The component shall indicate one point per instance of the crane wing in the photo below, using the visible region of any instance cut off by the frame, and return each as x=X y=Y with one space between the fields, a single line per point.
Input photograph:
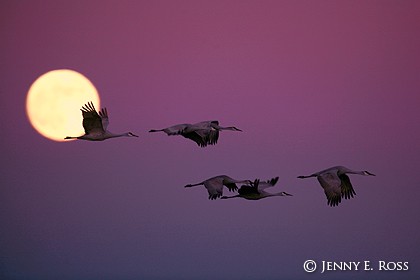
x=201 y=136
x=267 y=184
x=104 y=116
x=331 y=184
x=347 y=190
x=92 y=122
x=248 y=190
x=205 y=124
x=196 y=137
x=209 y=136
x=231 y=187
x=176 y=129
x=214 y=188
x=212 y=137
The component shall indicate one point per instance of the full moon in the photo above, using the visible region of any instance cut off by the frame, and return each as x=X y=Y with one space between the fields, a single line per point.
x=54 y=101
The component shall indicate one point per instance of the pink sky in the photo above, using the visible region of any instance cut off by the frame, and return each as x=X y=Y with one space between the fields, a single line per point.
x=312 y=84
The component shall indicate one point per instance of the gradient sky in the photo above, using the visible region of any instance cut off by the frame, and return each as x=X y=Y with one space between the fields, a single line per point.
x=312 y=84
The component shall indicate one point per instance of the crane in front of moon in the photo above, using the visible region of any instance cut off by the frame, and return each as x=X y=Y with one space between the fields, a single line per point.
x=203 y=133
x=95 y=125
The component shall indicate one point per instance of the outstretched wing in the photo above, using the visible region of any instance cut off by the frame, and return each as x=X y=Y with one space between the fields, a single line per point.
x=209 y=136
x=196 y=137
x=347 y=190
x=205 y=124
x=331 y=184
x=104 y=116
x=247 y=190
x=231 y=187
x=202 y=134
x=212 y=137
x=214 y=188
x=92 y=122
x=176 y=129
x=267 y=184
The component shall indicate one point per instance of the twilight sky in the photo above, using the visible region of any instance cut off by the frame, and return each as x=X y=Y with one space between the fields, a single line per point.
x=312 y=84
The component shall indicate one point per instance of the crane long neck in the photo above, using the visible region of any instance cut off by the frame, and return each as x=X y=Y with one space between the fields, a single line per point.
x=218 y=127
x=356 y=172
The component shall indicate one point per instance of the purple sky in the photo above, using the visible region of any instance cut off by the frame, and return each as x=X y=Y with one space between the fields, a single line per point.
x=311 y=83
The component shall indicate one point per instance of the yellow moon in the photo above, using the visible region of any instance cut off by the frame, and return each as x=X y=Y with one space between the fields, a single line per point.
x=54 y=101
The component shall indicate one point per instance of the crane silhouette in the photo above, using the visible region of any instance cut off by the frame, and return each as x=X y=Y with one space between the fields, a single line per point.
x=95 y=125
x=256 y=190
x=203 y=133
x=336 y=183
x=215 y=185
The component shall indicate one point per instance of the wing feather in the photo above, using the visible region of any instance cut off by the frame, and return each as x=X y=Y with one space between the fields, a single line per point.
x=196 y=138
x=92 y=122
x=214 y=188
x=267 y=184
x=104 y=117
x=347 y=190
x=231 y=187
x=248 y=190
x=176 y=129
x=212 y=137
x=201 y=136
x=205 y=124
x=331 y=184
